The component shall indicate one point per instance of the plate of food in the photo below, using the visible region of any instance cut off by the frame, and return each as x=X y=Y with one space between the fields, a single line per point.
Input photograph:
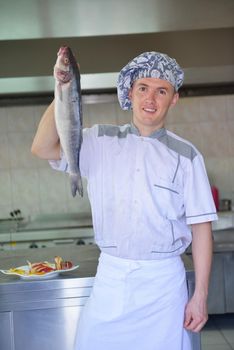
x=42 y=269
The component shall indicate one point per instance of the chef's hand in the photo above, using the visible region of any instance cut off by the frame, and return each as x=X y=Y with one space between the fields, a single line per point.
x=196 y=314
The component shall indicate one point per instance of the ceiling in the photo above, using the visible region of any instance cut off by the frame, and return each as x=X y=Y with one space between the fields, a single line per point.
x=105 y=34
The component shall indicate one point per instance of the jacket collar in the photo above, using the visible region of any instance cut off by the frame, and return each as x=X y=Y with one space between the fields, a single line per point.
x=154 y=135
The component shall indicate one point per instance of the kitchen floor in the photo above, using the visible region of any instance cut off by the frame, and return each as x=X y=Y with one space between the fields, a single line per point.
x=218 y=334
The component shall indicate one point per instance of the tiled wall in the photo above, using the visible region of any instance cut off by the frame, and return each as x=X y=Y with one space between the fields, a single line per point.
x=208 y=122
x=29 y=183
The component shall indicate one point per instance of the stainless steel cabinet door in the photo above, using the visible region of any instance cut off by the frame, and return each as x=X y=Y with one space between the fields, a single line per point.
x=216 y=297
x=47 y=329
x=229 y=281
x=6 y=331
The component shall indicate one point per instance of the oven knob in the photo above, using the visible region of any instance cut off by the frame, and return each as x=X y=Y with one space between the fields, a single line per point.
x=33 y=245
x=80 y=242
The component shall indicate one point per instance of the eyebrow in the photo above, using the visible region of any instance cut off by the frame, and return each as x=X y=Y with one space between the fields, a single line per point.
x=157 y=88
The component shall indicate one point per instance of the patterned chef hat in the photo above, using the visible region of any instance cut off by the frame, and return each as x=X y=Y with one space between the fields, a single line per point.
x=148 y=65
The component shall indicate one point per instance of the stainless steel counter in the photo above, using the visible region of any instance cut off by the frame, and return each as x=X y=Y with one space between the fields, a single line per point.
x=86 y=257
x=224 y=239
x=43 y=314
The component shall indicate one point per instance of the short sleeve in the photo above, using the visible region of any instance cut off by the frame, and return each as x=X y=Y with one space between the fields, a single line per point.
x=198 y=199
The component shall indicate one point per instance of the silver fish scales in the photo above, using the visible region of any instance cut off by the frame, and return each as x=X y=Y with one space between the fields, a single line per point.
x=68 y=113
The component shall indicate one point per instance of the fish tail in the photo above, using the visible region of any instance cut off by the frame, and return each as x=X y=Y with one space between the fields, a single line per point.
x=76 y=184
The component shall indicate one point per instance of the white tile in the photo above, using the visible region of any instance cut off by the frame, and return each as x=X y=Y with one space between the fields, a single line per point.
x=3 y=120
x=231 y=177
x=21 y=118
x=225 y=324
x=5 y=210
x=77 y=204
x=186 y=110
x=216 y=347
x=230 y=137
x=27 y=209
x=103 y=113
x=230 y=107
x=39 y=110
x=226 y=327
x=213 y=337
x=213 y=108
x=25 y=190
x=5 y=188
x=218 y=173
x=228 y=334
x=86 y=116
x=190 y=132
x=4 y=152
x=123 y=117
x=42 y=163
x=52 y=193
x=173 y=115
x=170 y=118
x=20 y=150
x=214 y=139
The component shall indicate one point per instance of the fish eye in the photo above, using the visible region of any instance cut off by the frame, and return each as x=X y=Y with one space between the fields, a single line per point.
x=66 y=60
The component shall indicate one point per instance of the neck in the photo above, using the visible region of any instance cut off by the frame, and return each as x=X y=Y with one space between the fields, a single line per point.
x=145 y=130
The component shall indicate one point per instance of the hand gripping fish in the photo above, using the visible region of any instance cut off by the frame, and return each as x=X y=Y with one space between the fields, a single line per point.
x=68 y=113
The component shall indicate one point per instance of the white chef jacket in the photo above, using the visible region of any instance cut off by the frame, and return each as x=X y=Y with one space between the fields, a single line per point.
x=144 y=191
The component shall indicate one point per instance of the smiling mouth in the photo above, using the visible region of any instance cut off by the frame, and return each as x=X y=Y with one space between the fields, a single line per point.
x=149 y=110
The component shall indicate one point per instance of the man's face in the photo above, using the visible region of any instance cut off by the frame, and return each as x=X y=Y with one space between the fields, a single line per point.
x=151 y=99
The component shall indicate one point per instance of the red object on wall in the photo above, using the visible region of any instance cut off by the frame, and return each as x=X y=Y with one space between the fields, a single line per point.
x=215 y=193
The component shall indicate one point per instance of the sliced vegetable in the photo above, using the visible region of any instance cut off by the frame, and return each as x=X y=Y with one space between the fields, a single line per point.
x=43 y=267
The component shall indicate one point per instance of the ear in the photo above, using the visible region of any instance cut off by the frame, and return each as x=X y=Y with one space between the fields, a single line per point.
x=130 y=94
x=174 y=99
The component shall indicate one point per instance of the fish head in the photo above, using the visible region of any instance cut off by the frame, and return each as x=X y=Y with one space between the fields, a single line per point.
x=64 y=56
x=63 y=65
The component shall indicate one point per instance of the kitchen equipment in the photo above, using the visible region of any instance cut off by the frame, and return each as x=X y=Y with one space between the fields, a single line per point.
x=225 y=205
x=47 y=231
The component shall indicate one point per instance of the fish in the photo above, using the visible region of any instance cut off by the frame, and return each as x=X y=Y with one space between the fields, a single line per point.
x=68 y=114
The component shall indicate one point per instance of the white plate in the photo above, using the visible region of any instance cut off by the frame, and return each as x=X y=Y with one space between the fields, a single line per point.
x=37 y=277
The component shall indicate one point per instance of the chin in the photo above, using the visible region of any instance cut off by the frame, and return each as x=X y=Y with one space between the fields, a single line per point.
x=148 y=120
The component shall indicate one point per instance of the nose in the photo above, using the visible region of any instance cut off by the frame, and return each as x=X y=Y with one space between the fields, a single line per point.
x=150 y=96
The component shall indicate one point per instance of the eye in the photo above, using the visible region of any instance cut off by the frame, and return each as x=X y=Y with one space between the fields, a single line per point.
x=162 y=92
x=66 y=60
x=142 y=88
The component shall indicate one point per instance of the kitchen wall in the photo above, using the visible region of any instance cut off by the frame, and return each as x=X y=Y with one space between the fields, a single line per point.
x=29 y=183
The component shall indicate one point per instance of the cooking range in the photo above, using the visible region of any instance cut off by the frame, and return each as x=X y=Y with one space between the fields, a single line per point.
x=47 y=230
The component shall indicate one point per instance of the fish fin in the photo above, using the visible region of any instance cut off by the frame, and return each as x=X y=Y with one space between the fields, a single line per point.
x=76 y=184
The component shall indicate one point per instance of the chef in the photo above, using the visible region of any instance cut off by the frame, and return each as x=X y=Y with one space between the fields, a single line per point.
x=150 y=198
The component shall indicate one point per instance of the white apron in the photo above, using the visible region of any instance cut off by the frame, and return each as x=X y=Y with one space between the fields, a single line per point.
x=136 y=305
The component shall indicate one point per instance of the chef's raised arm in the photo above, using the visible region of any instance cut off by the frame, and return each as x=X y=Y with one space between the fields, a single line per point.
x=46 y=143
